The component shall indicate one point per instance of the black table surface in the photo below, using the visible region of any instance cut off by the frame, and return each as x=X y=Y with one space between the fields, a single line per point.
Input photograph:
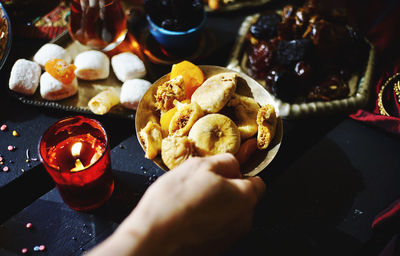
x=331 y=177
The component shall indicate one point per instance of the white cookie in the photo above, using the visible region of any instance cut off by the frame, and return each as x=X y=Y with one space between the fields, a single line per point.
x=24 y=77
x=51 y=51
x=132 y=92
x=52 y=89
x=92 y=65
x=127 y=66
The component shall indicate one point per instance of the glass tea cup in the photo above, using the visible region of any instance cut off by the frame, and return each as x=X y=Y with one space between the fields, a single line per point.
x=99 y=24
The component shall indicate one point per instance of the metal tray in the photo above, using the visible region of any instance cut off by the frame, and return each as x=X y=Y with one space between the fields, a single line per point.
x=86 y=89
x=359 y=83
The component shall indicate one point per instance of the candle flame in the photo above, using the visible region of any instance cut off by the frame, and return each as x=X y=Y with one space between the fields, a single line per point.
x=76 y=149
x=78 y=166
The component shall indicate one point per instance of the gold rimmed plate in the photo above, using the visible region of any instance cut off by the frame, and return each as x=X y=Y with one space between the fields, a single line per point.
x=246 y=86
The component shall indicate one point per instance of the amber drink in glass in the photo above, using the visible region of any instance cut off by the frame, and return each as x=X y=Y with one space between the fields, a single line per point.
x=99 y=24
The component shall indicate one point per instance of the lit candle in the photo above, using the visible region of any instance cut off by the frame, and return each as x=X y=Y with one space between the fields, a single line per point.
x=76 y=154
x=76 y=151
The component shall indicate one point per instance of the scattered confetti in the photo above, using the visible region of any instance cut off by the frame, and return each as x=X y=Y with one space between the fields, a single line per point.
x=1 y=162
x=15 y=133
x=11 y=161
x=6 y=169
x=3 y=127
x=73 y=238
x=42 y=248
x=24 y=250
x=22 y=170
x=357 y=213
x=28 y=225
x=27 y=155
x=11 y=148
x=152 y=178
x=28 y=165
x=36 y=248
x=141 y=168
x=1 y=159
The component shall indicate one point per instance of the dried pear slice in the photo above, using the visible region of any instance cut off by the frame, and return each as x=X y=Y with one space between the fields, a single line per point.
x=184 y=118
x=173 y=89
x=214 y=134
x=266 y=120
x=175 y=150
x=151 y=138
x=245 y=109
x=215 y=92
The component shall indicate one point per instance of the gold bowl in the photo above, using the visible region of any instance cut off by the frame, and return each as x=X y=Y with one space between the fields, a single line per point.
x=246 y=86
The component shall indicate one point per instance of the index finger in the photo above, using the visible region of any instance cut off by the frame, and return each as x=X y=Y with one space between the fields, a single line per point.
x=253 y=187
x=225 y=165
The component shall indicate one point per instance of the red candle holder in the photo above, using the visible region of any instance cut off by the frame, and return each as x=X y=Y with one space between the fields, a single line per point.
x=76 y=153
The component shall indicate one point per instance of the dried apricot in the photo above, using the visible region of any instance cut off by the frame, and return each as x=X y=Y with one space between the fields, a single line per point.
x=246 y=150
x=193 y=77
x=61 y=70
x=166 y=117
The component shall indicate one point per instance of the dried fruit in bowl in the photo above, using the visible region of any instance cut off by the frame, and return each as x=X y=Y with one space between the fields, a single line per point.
x=173 y=89
x=215 y=92
x=245 y=109
x=266 y=120
x=184 y=118
x=175 y=15
x=192 y=75
x=215 y=134
x=175 y=150
x=246 y=150
x=218 y=119
x=151 y=138
x=166 y=117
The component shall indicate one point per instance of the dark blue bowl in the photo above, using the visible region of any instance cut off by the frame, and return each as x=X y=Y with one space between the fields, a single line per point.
x=176 y=41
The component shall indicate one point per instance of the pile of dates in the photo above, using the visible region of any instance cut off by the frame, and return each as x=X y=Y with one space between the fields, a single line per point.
x=306 y=53
x=175 y=15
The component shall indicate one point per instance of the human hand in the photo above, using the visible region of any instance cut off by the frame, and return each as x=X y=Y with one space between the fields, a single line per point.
x=199 y=208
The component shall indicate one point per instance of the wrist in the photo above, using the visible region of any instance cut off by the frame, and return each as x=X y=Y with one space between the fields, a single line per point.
x=147 y=239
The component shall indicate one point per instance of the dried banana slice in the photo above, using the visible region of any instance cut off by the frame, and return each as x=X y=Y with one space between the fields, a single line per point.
x=175 y=150
x=266 y=120
x=184 y=118
x=104 y=101
x=245 y=109
x=215 y=133
x=169 y=91
x=215 y=92
x=151 y=138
